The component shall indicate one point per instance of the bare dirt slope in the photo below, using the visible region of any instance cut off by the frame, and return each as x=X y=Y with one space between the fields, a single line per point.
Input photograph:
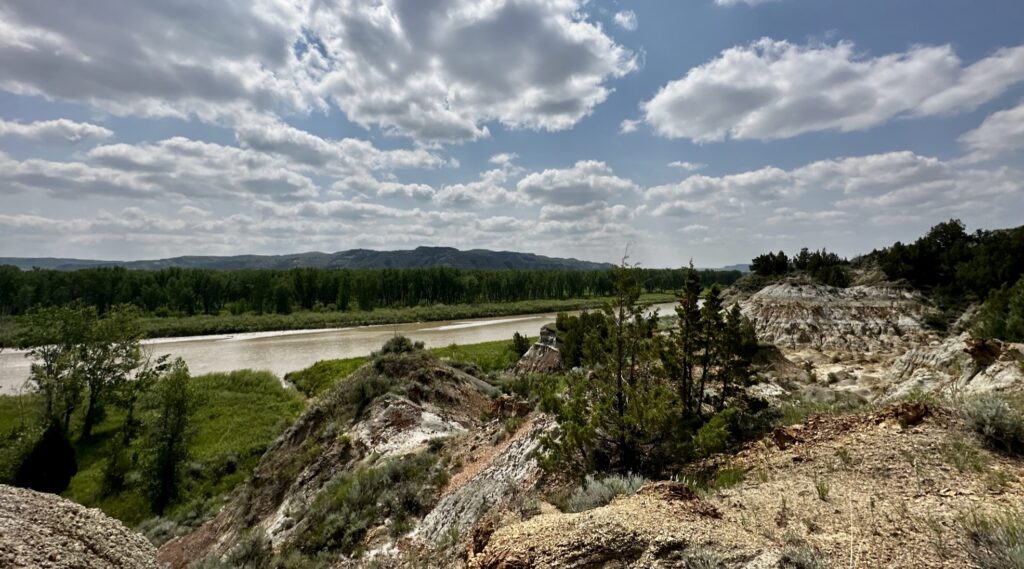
x=882 y=489
x=46 y=531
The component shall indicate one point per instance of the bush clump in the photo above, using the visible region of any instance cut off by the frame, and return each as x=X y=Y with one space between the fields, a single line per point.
x=995 y=540
x=597 y=492
x=357 y=501
x=999 y=420
x=399 y=345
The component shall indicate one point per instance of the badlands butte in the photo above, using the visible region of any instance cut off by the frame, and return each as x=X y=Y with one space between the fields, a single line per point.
x=888 y=434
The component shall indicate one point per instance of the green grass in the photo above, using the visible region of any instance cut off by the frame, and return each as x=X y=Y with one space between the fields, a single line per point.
x=169 y=326
x=485 y=356
x=316 y=378
x=488 y=356
x=238 y=415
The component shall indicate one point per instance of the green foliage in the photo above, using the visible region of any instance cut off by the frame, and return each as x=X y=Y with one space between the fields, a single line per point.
x=995 y=540
x=50 y=464
x=627 y=413
x=485 y=356
x=1002 y=315
x=357 y=501
x=398 y=345
x=191 y=292
x=826 y=268
x=82 y=358
x=520 y=344
x=315 y=379
x=799 y=410
x=999 y=419
x=167 y=440
x=735 y=425
x=957 y=268
x=596 y=492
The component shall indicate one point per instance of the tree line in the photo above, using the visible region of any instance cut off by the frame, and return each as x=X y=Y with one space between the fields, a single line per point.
x=823 y=266
x=188 y=292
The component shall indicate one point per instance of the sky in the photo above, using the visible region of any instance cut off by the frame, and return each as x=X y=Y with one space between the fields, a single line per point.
x=710 y=130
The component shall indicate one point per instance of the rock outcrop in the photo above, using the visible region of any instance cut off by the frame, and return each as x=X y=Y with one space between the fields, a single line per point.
x=543 y=356
x=863 y=319
x=959 y=365
x=44 y=531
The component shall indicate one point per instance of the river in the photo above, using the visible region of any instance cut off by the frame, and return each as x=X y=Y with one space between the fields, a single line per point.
x=282 y=352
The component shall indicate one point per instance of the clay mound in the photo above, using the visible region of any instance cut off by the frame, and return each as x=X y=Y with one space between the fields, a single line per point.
x=47 y=531
x=859 y=318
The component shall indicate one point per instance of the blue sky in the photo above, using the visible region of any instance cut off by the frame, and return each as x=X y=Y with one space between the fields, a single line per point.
x=709 y=130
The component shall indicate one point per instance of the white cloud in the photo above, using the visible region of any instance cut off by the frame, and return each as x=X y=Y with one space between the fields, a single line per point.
x=841 y=189
x=775 y=89
x=1000 y=134
x=172 y=167
x=333 y=156
x=628 y=125
x=369 y=186
x=439 y=72
x=60 y=131
x=503 y=159
x=587 y=181
x=626 y=19
x=488 y=191
x=688 y=166
x=159 y=58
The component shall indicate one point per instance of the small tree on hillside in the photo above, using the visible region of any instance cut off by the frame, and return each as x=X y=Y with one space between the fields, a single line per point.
x=168 y=437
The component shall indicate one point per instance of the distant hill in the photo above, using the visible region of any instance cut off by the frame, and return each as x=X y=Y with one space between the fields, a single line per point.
x=743 y=268
x=352 y=259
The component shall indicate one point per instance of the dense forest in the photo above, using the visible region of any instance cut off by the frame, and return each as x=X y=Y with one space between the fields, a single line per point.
x=957 y=268
x=187 y=292
x=827 y=268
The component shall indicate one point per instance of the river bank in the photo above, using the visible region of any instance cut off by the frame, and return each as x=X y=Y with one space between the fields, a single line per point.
x=284 y=351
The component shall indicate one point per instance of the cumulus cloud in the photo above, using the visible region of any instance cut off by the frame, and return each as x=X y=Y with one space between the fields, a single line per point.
x=439 y=71
x=488 y=191
x=586 y=182
x=60 y=131
x=775 y=89
x=838 y=188
x=1000 y=134
x=688 y=166
x=159 y=58
x=173 y=167
x=626 y=19
x=333 y=156
x=366 y=186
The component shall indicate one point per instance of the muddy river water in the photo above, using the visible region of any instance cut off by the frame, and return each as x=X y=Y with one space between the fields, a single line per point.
x=282 y=352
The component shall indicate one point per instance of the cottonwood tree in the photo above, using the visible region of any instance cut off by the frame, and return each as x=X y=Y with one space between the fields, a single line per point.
x=81 y=358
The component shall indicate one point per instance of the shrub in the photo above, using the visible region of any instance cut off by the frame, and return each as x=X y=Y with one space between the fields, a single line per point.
x=995 y=540
x=399 y=345
x=999 y=420
x=520 y=344
x=51 y=463
x=357 y=501
x=597 y=492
